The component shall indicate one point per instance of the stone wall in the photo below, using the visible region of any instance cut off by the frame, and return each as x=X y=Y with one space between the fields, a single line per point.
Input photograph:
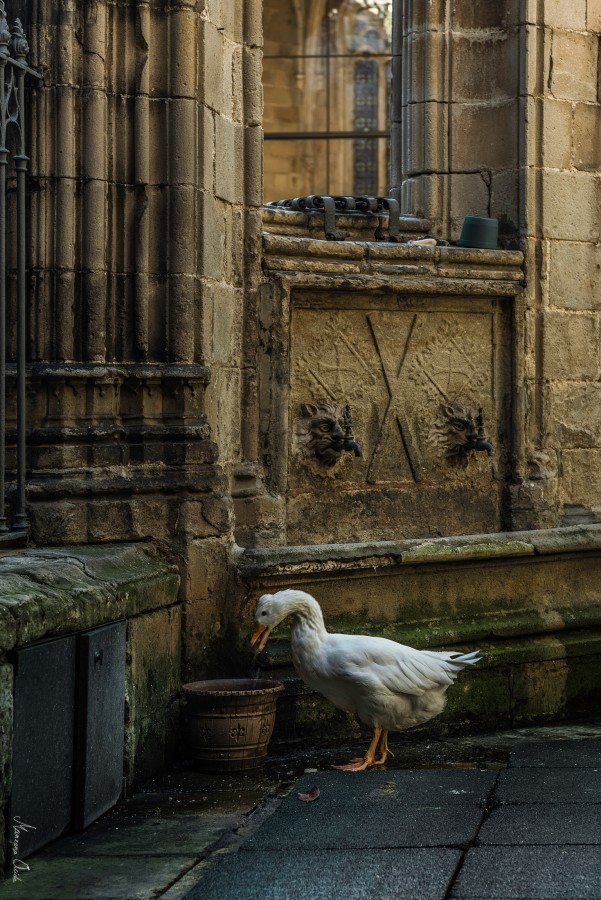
x=520 y=106
x=563 y=231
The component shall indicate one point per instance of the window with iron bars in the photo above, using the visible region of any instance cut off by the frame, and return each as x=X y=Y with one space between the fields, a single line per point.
x=326 y=79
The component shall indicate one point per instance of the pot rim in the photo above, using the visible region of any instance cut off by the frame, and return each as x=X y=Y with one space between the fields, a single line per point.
x=225 y=687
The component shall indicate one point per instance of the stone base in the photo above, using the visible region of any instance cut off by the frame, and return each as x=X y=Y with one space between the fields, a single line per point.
x=52 y=593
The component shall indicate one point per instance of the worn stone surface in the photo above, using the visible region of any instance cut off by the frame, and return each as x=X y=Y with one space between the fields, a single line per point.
x=153 y=734
x=538 y=873
x=419 y=873
x=48 y=592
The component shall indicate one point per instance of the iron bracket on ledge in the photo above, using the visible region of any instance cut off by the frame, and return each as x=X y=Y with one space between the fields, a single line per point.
x=358 y=207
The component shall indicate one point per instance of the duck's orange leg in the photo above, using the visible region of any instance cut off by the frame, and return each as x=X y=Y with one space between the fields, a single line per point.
x=357 y=765
x=384 y=750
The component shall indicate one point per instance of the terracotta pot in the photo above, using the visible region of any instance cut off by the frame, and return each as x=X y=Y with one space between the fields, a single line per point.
x=230 y=722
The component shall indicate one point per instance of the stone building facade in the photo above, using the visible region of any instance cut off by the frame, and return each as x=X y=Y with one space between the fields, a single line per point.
x=182 y=343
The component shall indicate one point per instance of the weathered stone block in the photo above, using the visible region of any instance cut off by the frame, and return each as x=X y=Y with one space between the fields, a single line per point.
x=60 y=522
x=182 y=55
x=253 y=165
x=252 y=84
x=485 y=66
x=182 y=142
x=209 y=603
x=153 y=683
x=573 y=74
x=223 y=410
x=575 y=275
x=212 y=235
x=428 y=16
x=182 y=250
x=470 y=196
x=593 y=15
x=574 y=419
x=483 y=136
x=556 y=144
x=428 y=80
x=229 y=160
x=227 y=324
x=567 y=14
x=571 y=346
x=587 y=128
x=580 y=483
x=211 y=89
x=504 y=205
x=428 y=149
x=482 y=14
x=570 y=206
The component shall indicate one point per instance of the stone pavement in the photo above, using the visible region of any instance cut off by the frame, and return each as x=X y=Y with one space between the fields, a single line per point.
x=530 y=831
x=498 y=826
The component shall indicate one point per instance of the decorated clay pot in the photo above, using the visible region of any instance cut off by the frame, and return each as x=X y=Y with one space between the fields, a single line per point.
x=230 y=722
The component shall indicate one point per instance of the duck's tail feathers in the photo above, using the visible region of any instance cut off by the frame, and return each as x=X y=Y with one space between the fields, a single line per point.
x=466 y=659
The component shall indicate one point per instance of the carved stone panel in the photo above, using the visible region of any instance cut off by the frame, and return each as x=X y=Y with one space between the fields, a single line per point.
x=395 y=361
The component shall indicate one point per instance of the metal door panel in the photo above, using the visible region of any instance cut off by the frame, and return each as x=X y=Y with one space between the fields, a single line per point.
x=43 y=742
x=100 y=722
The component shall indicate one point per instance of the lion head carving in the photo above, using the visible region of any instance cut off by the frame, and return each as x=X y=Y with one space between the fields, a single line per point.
x=319 y=431
x=458 y=430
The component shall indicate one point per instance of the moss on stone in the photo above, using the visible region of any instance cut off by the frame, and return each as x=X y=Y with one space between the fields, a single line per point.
x=441 y=552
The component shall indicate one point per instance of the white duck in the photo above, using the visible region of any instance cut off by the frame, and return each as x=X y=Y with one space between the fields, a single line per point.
x=389 y=686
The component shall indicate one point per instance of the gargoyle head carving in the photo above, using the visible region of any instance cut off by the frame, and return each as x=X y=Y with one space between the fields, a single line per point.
x=459 y=430
x=319 y=431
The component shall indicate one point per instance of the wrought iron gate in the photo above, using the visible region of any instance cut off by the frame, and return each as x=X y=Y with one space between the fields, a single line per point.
x=14 y=69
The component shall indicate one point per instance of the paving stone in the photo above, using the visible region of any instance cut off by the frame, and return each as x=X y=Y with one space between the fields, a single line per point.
x=369 y=824
x=330 y=875
x=411 y=787
x=557 y=755
x=532 y=824
x=549 y=786
x=530 y=873
x=173 y=836
x=95 y=878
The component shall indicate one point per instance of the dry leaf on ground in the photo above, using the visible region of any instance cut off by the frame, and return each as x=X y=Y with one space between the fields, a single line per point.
x=309 y=796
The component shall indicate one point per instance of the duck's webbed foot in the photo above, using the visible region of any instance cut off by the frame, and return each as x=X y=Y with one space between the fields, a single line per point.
x=358 y=765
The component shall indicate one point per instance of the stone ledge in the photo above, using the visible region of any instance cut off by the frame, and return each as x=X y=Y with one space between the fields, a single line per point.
x=52 y=592
x=331 y=557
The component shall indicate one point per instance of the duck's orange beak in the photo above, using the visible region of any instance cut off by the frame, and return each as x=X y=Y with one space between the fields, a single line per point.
x=260 y=634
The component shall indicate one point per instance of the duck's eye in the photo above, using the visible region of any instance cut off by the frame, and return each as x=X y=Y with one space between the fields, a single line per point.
x=264 y=613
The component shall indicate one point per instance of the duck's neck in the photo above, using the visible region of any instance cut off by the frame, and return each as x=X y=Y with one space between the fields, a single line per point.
x=308 y=628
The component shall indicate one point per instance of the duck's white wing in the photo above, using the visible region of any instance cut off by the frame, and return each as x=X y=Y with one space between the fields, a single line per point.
x=400 y=669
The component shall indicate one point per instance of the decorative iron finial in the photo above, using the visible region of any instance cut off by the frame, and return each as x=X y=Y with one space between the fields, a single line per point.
x=4 y=31
x=18 y=42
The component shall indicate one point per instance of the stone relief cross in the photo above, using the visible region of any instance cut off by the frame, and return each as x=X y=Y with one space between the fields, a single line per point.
x=387 y=341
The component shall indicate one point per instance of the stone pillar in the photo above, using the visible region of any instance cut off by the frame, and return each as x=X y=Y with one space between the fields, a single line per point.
x=145 y=252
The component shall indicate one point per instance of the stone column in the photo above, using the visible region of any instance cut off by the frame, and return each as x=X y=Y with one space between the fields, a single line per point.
x=455 y=126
